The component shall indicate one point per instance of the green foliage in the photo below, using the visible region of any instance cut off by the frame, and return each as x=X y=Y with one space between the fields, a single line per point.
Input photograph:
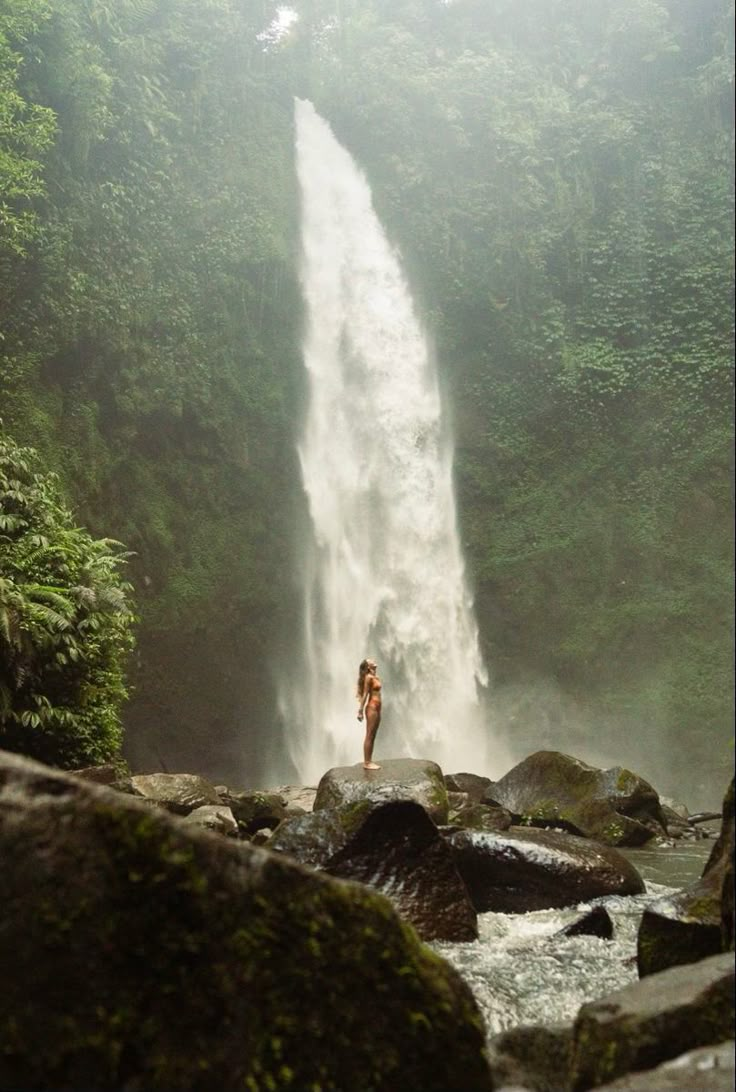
x=26 y=129
x=558 y=177
x=65 y=624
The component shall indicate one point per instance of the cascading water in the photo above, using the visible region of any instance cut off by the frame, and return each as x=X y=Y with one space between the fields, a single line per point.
x=383 y=570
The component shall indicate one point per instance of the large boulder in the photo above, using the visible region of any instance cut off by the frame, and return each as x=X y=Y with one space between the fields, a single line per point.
x=394 y=848
x=707 y=1069
x=140 y=953
x=652 y=1021
x=613 y=806
x=177 y=793
x=398 y=851
x=398 y=779
x=520 y=870
x=697 y=921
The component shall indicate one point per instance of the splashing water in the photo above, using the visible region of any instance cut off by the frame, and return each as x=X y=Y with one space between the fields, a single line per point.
x=383 y=571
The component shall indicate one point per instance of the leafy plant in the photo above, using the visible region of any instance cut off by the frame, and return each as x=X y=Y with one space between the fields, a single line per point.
x=65 y=624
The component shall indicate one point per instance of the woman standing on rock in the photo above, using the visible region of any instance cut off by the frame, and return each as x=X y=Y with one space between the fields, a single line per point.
x=369 y=699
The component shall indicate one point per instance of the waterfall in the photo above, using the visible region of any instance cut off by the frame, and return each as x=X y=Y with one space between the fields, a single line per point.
x=383 y=572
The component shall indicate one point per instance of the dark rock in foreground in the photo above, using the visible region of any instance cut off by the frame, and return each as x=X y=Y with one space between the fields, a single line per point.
x=399 y=852
x=139 y=953
x=520 y=869
x=653 y=1021
x=613 y=806
x=398 y=779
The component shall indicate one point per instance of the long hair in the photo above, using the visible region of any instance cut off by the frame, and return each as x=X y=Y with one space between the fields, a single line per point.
x=362 y=671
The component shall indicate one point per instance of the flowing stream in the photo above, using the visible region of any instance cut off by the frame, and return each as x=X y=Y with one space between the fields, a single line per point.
x=521 y=972
x=383 y=573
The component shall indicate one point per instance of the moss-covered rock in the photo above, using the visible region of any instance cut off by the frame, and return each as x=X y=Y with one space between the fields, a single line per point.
x=697 y=921
x=680 y=928
x=481 y=817
x=398 y=779
x=615 y=806
x=653 y=1020
x=138 y=953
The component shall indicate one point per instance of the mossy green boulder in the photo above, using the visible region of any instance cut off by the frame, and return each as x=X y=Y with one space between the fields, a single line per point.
x=139 y=953
x=653 y=1020
x=614 y=806
x=414 y=779
x=698 y=921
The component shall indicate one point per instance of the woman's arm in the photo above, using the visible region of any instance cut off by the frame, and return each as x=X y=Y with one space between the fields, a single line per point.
x=366 y=694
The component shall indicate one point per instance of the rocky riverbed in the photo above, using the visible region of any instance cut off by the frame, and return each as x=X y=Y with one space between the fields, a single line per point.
x=165 y=932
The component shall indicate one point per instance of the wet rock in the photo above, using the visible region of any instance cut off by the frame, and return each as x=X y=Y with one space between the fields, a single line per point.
x=680 y=928
x=653 y=1021
x=697 y=921
x=398 y=851
x=177 y=793
x=215 y=817
x=531 y=1057
x=398 y=779
x=474 y=785
x=596 y=923
x=481 y=817
x=315 y=838
x=707 y=1069
x=142 y=953
x=297 y=799
x=614 y=806
x=520 y=870
x=255 y=810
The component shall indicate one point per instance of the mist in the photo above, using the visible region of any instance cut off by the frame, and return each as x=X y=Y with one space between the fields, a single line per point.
x=555 y=184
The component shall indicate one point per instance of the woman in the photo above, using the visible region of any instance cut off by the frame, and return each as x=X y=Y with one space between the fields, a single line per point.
x=369 y=700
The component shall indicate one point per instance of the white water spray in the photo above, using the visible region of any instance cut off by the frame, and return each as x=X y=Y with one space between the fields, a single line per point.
x=383 y=570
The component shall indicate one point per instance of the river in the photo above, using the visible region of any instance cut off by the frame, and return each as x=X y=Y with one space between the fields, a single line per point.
x=521 y=972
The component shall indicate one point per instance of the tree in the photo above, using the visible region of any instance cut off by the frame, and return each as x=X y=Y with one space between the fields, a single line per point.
x=65 y=624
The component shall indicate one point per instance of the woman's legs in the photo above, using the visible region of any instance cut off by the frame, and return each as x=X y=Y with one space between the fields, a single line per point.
x=372 y=721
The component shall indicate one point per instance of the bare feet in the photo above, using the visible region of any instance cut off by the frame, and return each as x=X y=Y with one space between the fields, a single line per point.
x=371 y=766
